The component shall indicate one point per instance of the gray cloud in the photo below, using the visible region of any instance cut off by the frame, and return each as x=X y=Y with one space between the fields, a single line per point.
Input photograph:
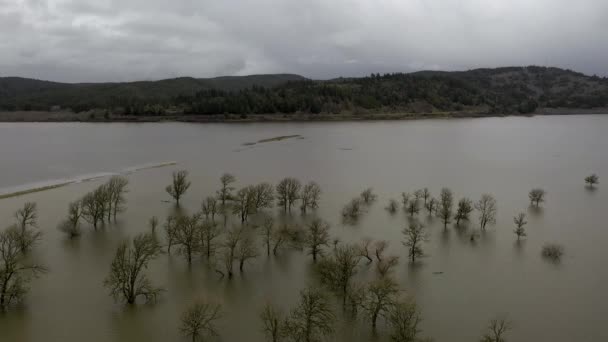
x=120 y=40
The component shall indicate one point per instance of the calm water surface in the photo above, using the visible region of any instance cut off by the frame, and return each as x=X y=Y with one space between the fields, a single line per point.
x=495 y=276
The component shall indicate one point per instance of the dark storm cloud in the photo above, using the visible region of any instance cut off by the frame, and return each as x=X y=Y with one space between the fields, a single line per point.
x=118 y=40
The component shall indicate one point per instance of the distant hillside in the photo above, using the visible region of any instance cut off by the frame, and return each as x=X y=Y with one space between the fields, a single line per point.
x=23 y=94
x=507 y=90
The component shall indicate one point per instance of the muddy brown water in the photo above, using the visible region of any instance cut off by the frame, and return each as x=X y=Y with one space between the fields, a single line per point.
x=459 y=285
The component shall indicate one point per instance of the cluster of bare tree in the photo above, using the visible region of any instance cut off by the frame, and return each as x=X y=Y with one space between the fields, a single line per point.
x=358 y=205
x=97 y=206
x=15 y=243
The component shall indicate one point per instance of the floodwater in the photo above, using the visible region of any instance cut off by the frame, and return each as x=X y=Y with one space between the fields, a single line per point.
x=458 y=285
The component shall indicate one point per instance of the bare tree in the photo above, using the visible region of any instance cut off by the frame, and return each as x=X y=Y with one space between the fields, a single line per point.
x=263 y=196
x=536 y=196
x=116 y=187
x=225 y=192
x=380 y=296
x=281 y=237
x=94 y=206
x=353 y=209
x=312 y=320
x=379 y=247
x=592 y=179
x=414 y=237
x=71 y=225
x=170 y=231
x=553 y=251
x=392 y=206
x=210 y=208
x=316 y=237
x=246 y=249
x=231 y=242
x=179 y=185
x=446 y=203
x=385 y=265
x=311 y=194
x=412 y=207
x=338 y=269
x=426 y=194
x=431 y=205
x=187 y=235
x=126 y=280
x=404 y=319
x=273 y=322
x=364 y=249
x=520 y=222
x=496 y=330
x=199 y=320
x=487 y=210
x=465 y=207
x=418 y=194
x=368 y=196
x=15 y=273
x=244 y=202
x=288 y=191
x=153 y=223
x=267 y=233
x=209 y=232
x=27 y=220
x=405 y=199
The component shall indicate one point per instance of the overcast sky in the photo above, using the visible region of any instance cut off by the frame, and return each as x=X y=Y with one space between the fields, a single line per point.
x=122 y=40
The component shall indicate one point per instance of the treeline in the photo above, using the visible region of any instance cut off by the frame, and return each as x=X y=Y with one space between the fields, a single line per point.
x=501 y=90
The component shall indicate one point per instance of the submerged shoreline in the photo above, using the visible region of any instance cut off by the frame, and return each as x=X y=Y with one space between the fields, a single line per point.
x=38 y=116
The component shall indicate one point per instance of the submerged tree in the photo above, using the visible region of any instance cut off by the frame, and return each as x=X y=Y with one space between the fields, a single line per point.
x=15 y=272
x=414 y=236
x=187 y=235
x=288 y=191
x=316 y=237
x=263 y=196
x=412 y=207
x=431 y=205
x=465 y=207
x=520 y=222
x=126 y=280
x=405 y=198
x=353 y=209
x=364 y=249
x=487 y=210
x=392 y=206
x=311 y=193
x=273 y=323
x=244 y=202
x=446 y=202
x=246 y=249
x=94 y=206
x=553 y=251
x=209 y=208
x=153 y=223
x=426 y=194
x=209 y=233
x=385 y=265
x=179 y=185
x=267 y=233
x=380 y=296
x=27 y=220
x=496 y=330
x=338 y=269
x=230 y=244
x=117 y=188
x=368 y=196
x=312 y=320
x=536 y=196
x=404 y=319
x=170 y=231
x=199 y=320
x=225 y=192
x=71 y=225
x=591 y=180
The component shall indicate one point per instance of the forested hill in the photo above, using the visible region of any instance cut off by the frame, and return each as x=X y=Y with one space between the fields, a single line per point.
x=492 y=91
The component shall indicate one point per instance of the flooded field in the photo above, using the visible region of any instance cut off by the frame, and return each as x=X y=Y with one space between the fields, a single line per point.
x=459 y=284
